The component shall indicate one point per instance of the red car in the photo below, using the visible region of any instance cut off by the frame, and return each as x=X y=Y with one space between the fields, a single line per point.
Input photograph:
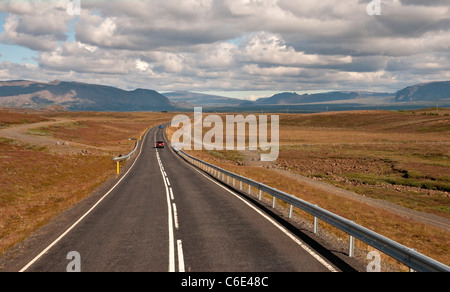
x=160 y=144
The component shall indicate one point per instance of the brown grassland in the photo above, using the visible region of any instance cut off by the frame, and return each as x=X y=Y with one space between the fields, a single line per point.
x=399 y=157
x=40 y=178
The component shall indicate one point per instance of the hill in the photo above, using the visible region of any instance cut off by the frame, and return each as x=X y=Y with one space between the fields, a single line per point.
x=188 y=99
x=76 y=96
x=334 y=100
x=431 y=91
x=294 y=98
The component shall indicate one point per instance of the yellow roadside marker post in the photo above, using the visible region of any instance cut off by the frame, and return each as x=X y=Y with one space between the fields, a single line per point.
x=118 y=168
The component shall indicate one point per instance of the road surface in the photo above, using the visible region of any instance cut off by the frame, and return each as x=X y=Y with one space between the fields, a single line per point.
x=165 y=215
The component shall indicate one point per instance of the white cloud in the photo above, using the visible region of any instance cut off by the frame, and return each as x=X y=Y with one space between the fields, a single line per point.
x=141 y=65
x=75 y=57
x=38 y=25
x=271 y=49
x=12 y=35
x=86 y=47
x=271 y=71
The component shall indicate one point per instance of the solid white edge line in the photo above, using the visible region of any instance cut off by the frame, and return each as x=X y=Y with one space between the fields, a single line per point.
x=284 y=230
x=181 y=267
x=82 y=217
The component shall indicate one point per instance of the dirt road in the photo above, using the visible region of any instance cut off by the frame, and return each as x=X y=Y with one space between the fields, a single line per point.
x=251 y=159
x=426 y=218
x=19 y=133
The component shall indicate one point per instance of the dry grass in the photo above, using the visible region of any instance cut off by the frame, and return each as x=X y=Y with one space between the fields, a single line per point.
x=378 y=154
x=8 y=118
x=30 y=197
x=107 y=130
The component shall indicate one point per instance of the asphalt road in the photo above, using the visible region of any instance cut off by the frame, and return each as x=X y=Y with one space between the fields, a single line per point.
x=166 y=215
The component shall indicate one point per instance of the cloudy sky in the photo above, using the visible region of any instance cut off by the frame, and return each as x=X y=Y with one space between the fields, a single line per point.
x=245 y=48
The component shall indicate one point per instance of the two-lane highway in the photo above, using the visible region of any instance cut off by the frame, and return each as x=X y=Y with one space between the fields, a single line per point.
x=166 y=215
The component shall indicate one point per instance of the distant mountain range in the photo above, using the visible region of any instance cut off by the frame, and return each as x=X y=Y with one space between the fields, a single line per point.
x=431 y=91
x=191 y=99
x=420 y=95
x=425 y=92
x=288 y=98
x=74 y=96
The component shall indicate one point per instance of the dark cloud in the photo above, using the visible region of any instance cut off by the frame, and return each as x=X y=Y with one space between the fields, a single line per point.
x=444 y=3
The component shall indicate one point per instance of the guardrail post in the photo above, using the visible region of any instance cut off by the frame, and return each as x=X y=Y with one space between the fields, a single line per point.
x=260 y=195
x=274 y=201
x=290 y=211
x=316 y=225
x=240 y=185
x=249 y=189
x=351 y=246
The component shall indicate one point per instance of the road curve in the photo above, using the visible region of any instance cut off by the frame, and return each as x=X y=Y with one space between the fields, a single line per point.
x=165 y=215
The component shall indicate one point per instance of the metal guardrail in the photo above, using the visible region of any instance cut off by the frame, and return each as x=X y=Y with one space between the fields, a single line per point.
x=126 y=157
x=408 y=256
